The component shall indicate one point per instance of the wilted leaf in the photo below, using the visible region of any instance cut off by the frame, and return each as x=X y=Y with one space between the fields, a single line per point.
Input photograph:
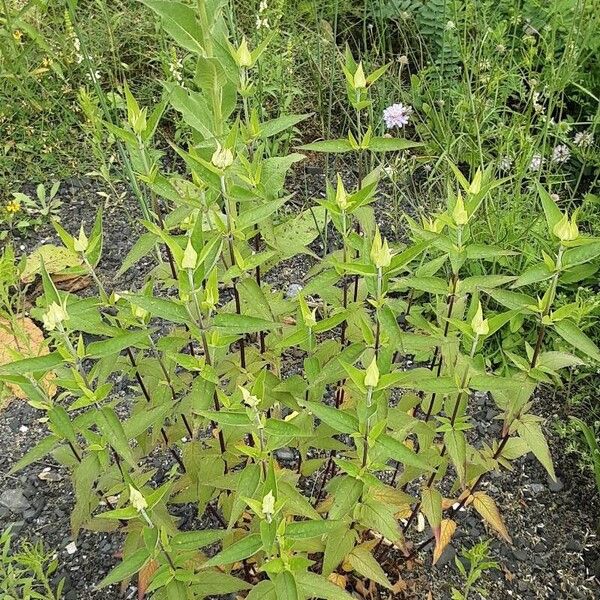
x=56 y=259
x=487 y=508
x=24 y=337
x=447 y=529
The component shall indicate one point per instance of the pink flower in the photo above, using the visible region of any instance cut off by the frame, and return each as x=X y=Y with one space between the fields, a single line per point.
x=397 y=115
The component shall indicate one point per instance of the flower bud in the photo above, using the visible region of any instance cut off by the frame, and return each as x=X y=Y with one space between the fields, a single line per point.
x=380 y=252
x=341 y=197
x=222 y=158
x=137 y=499
x=243 y=55
x=190 y=257
x=81 y=243
x=248 y=398
x=55 y=315
x=480 y=325
x=360 y=81
x=372 y=374
x=566 y=230
x=459 y=214
x=268 y=506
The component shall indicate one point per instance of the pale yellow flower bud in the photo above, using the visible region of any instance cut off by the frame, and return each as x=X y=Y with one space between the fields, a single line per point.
x=360 y=81
x=81 y=243
x=137 y=499
x=55 y=315
x=190 y=257
x=268 y=506
x=566 y=230
x=372 y=374
x=341 y=197
x=480 y=325
x=380 y=252
x=222 y=158
x=459 y=214
x=248 y=398
x=243 y=55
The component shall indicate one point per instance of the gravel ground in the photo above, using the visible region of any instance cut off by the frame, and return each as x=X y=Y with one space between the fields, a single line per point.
x=554 y=525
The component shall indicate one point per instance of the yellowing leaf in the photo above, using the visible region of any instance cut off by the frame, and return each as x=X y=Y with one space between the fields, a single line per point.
x=487 y=508
x=56 y=260
x=22 y=338
x=447 y=529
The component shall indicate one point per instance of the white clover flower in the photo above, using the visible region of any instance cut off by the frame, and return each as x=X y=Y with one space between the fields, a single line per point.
x=536 y=162
x=262 y=6
x=560 y=154
x=450 y=25
x=505 y=163
x=397 y=115
x=583 y=139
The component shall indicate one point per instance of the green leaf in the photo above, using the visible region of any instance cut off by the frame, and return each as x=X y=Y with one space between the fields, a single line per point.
x=531 y=432
x=143 y=245
x=317 y=586
x=347 y=494
x=38 y=452
x=383 y=144
x=244 y=548
x=574 y=336
x=160 y=307
x=263 y=590
x=380 y=517
x=216 y=583
x=180 y=22
x=300 y=530
x=340 y=145
x=275 y=126
x=512 y=300
x=401 y=453
x=364 y=564
x=26 y=366
x=113 y=431
x=457 y=451
x=61 y=423
x=534 y=274
x=285 y=586
x=241 y=324
x=337 y=418
x=142 y=420
x=551 y=210
x=192 y=540
x=130 y=566
x=431 y=506
x=115 y=345
x=281 y=428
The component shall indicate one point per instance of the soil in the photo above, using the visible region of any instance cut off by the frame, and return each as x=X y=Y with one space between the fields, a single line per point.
x=554 y=525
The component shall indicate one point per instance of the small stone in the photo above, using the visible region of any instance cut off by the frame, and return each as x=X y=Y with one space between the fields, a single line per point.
x=539 y=547
x=293 y=290
x=520 y=555
x=555 y=485
x=23 y=429
x=574 y=546
x=285 y=454
x=48 y=475
x=534 y=488
x=14 y=500
x=71 y=548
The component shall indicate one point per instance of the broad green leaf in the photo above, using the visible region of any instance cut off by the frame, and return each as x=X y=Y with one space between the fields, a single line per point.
x=136 y=339
x=130 y=566
x=337 y=418
x=38 y=452
x=179 y=20
x=192 y=540
x=333 y=146
x=300 y=530
x=364 y=564
x=285 y=586
x=531 y=432
x=240 y=324
x=279 y=124
x=37 y=364
x=574 y=336
x=244 y=548
x=551 y=210
x=317 y=586
x=384 y=144
x=401 y=453
x=113 y=431
x=431 y=506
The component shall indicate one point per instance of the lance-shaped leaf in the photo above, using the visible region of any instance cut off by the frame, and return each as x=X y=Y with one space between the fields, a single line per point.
x=363 y=562
x=130 y=566
x=431 y=506
x=447 y=529
x=333 y=146
x=574 y=336
x=317 y=586
x=401 y=453
x=114 y=434
x=336 y=418
x=240 y=550
x=530 y=430
x=487 y=508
